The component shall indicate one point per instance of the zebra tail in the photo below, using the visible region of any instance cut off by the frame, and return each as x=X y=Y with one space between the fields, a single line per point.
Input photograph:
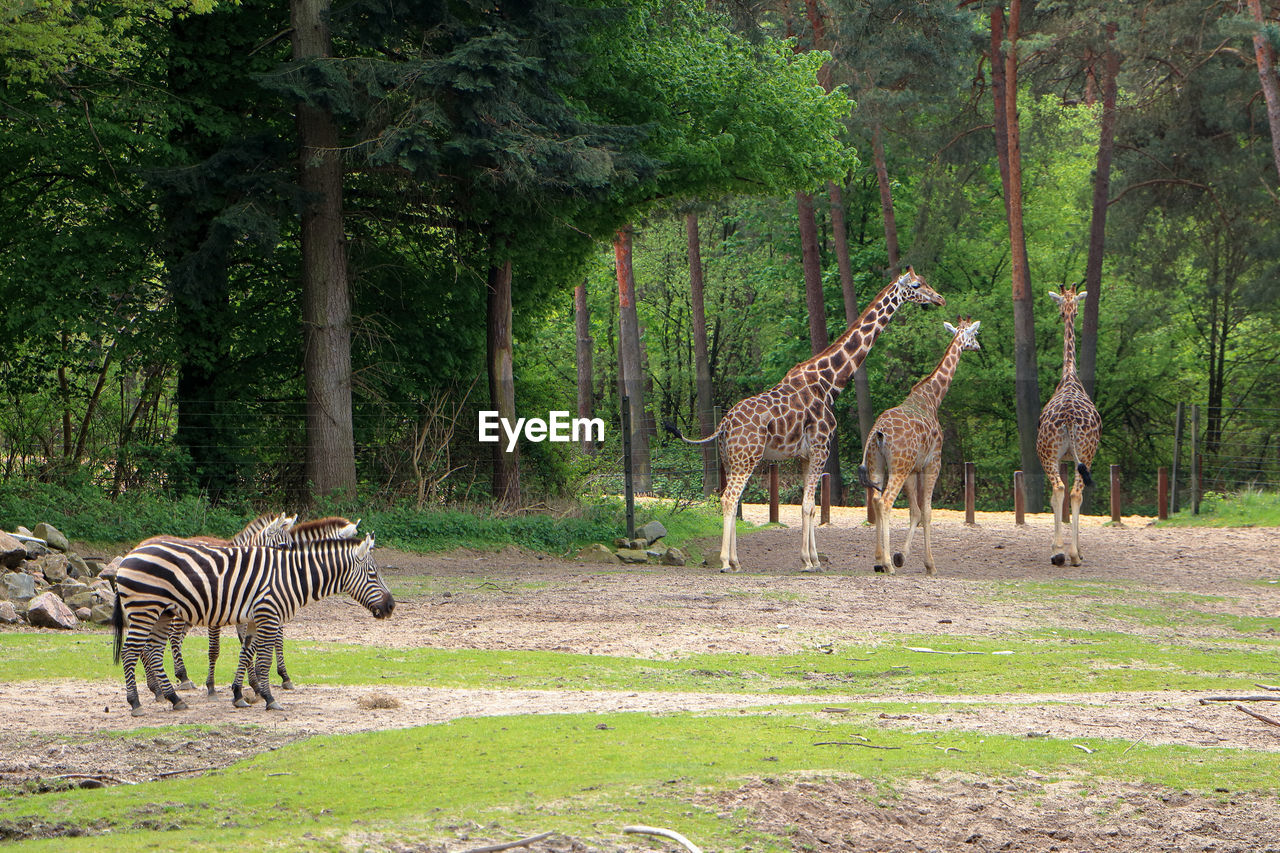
x=1084 y=473
x=117 y=629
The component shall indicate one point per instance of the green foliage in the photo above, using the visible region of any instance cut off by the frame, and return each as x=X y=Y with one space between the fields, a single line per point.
x=1245 y=508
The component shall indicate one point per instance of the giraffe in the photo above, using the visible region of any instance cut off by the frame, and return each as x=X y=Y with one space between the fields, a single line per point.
x=793 y=420
x=1069 y=426
x=905 y=448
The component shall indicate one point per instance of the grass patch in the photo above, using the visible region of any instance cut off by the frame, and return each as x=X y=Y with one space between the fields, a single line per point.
x=581 y=775
x=1245 y=508
x=1040 y=662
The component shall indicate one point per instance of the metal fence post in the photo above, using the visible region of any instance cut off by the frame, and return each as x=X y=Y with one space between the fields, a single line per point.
x=1177 y=452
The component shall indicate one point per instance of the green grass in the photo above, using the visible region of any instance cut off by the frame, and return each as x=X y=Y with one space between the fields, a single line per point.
x=1042 y=661
x=585 y=775
x=1246 y=508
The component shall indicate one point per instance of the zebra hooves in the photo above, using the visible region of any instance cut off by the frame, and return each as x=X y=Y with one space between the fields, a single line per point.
x=240 y=703
x=180 y=705
x=186 y=685
x=213 y=691
x=273 y=705
x=288 y=684
x=137 y=711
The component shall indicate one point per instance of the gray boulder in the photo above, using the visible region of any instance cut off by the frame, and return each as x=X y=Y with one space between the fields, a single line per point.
x=12 y=551
x=596 y=553
x=49 y=611
x=77 y=567
x=652 y=532
x=81 y=599
x=632 y=555
x=55 y=567
x=673 y=557
x=19 y=586
x=53 y=536
x=34 y=548
x=100 y=614
x=108 y=572
x=84 y=614
x=9 y=614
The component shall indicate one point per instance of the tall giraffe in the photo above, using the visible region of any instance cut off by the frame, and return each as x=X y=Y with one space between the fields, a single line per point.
x=905 y=448
x=793 y=420
x=1069 y=426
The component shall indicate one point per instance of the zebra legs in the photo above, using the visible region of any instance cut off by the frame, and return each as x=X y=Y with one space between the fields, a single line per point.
x=146 y=640
x=178 y=633
x=215 y=642
x=255 y=660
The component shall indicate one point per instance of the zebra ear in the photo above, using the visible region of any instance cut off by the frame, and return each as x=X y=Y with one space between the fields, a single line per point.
x=365 y=547
x=951 y=330
x=347 y=531
x=288 y=521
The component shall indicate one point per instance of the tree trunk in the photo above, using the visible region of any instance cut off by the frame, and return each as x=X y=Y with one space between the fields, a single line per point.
x=631 y=362
x=816 y=303
x=502 y=387
x=584 y=347
x=1266 y=56
x=1026 y=383
x=886 y=201
x=326 y=305
x=701 y=358
x=861 y=386
x=1098 y=221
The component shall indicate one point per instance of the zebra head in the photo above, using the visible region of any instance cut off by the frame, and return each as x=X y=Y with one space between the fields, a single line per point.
x=362 y=581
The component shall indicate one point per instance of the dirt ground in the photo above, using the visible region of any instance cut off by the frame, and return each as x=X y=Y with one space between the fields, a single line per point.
x=514 y=600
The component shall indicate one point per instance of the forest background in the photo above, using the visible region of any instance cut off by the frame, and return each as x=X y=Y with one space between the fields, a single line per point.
x=265 y=253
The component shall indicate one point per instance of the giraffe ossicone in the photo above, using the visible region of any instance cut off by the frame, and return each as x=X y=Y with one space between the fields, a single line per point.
x=1069 y=427
x=794 y=420
x=904 y=448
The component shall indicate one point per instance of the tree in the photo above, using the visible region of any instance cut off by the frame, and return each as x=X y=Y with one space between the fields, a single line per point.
x=701 y=357
x=631 y=363
x=1264 y=52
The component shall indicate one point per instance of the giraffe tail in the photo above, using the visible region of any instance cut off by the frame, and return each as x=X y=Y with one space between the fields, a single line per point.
x=1084 y=473
x=876 y=444
x=706 y=440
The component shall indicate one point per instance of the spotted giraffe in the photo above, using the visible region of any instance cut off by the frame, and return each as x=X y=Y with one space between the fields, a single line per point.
x=793 y=420
x=1069 y=426
x=905 y=448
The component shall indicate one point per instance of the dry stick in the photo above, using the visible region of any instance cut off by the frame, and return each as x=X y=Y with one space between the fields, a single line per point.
x=1271 y=721
x=168 y=773
x=665 y=833
x=1207 y=699
x=1266 y=686
x=853 y=743
x=523 y=842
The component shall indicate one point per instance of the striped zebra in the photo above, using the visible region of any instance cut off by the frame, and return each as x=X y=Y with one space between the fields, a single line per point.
x=266 y=529
x=221 y=585
x=315 y=530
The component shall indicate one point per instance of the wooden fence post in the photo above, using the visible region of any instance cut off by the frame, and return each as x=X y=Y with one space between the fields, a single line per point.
x=1019 y=500
x=1162 y=493
x=1195 y=459
x=826 y=499
x=1177 y=452
x=627 y=474
x=773 y=493
x=1115 y=495
x=970 y=494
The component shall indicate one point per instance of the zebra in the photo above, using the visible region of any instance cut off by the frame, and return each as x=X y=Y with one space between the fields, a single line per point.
x=315 y=530
x=221 y=585
x=266 y=529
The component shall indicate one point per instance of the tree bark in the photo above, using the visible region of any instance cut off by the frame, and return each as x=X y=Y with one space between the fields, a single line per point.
x=1026 y=383
x=583 y=351
x=326 y=305
x=502 y=387
x=1098 y=221
x=816 y=303
x=701 y=357
x=886 y=201
x=861 y=386
x=1266 y=57
x=631 y=362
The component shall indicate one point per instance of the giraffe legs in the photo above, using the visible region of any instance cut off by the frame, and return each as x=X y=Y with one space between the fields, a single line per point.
x=1077 y=497
x=884 y=506
x=808 y=513
x=912 y=487
x=1058 y=557
x=919 y=488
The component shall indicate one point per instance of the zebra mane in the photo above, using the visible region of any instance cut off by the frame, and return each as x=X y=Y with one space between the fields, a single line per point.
x=330 y=527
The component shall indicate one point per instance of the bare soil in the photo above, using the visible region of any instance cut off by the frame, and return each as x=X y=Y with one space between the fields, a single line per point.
x=516 y=600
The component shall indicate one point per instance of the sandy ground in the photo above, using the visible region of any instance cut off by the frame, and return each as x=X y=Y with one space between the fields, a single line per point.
x=513 y=600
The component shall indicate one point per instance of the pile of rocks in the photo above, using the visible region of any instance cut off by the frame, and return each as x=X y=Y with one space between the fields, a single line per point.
x=638 y=550
x=45 y=584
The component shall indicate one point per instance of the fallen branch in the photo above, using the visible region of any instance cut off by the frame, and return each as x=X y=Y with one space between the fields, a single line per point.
x=853 y=743
x=508 y=845
x=664 y=833
x=97 y=777
x=1271 y=721
x=1132 y=745
x=1083 y=748
x=169 y=773
x=1207 y=699
x=1266 y=686
x=835 y=710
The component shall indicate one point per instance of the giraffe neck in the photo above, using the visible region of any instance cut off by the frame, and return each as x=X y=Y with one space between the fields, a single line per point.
x=835 y=365
x=1069 y=346
x=930 y=390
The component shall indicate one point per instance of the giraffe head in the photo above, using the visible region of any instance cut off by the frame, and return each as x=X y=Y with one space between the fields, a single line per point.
x=911 y=288
x=966 y=332
x=1068 y=302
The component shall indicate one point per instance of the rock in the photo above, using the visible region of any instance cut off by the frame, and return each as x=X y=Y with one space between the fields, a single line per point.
x=596 y=553
x=19 y=586
x=49 y=611
x=622 y=542
x=8 y=614
x=84 y=614
x=81 y=600
x=632 y=555
x=652 y=532
x=103 y=596
x=100 y=614
x=77 y=567
x=24 y=531
x=70 y=587
x=637 y=544
x=93 y=567
x=12 y=551
x=35 y=549
x=52 y=535
x=108 y=572
x=54 y=567
x=673 y=557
